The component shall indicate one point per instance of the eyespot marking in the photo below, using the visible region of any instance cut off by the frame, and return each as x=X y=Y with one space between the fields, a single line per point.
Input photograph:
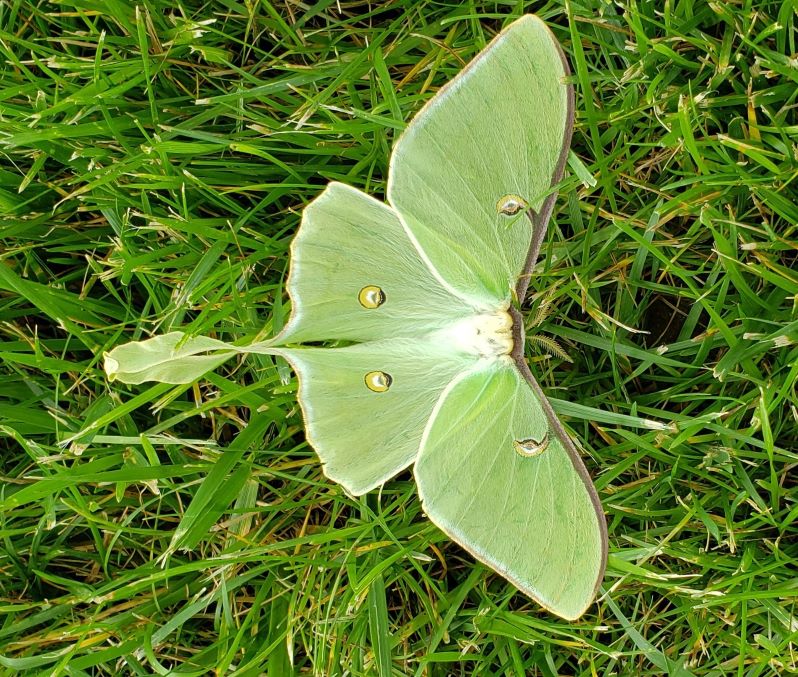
x=531 y=447
x=371 y=296
x=378 y=381
x=511 y=204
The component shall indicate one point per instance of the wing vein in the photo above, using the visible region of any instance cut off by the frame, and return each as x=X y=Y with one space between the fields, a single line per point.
x=486 y=475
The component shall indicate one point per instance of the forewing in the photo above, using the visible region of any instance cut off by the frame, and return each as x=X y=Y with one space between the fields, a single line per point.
x=365 y=437
x=535 y=519
x=349 y=242
x=500 y=128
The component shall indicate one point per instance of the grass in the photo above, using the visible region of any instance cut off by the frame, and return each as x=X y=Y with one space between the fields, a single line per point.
x=155 y=160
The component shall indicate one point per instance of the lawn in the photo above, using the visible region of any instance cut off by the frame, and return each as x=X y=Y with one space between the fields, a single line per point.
x=156 y=158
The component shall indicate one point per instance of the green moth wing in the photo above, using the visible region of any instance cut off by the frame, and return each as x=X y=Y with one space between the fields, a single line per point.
x=499 y=480
x=365 y=406
x=492 y=142
x=356 y=276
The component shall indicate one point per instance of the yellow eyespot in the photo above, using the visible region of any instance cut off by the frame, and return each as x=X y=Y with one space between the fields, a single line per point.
x=531 y=447
x=371 y=297
x=510 y=205
x=378 y=381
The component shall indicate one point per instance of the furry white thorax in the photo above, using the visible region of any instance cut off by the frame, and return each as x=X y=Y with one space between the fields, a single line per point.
x=486 y=335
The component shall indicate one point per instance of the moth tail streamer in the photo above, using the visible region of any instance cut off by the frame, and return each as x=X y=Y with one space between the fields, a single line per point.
x=175 y=358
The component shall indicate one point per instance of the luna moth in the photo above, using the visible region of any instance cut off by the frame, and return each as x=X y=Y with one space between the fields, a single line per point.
x=423 y=291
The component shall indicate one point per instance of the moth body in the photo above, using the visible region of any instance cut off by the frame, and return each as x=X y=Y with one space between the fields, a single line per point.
x=487 y=335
